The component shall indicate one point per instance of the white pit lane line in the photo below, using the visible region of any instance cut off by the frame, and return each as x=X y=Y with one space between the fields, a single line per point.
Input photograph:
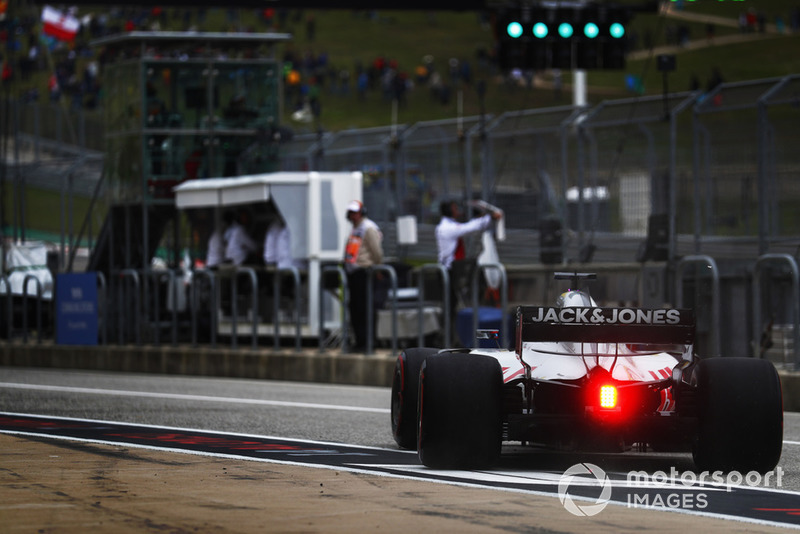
x=207 y=398
x=201 y=398
x=471 y=479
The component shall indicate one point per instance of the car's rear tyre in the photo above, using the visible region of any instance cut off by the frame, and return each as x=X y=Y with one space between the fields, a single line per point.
x=740 y=415
x=460 y=411
x=405 y=390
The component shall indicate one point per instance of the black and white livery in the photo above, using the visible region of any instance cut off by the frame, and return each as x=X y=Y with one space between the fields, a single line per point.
x=589 y=378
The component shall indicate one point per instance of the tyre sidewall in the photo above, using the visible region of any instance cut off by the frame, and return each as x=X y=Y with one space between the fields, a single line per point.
x=405 y=392
x=740 y=415
x=460 y=411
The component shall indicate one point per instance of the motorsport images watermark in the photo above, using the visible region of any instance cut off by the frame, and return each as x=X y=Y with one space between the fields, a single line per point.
x=654 y=489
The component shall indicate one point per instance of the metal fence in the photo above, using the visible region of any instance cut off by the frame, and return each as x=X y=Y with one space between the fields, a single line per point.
x=719 y=164
x=716 y=169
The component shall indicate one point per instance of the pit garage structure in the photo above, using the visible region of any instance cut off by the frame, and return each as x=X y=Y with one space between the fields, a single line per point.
x=313 y=206
x=178 y=106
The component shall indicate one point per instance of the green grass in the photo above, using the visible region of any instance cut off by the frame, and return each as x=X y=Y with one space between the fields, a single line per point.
x=732 y=8
x=43 y=210
x=350 y=37
x=737 y=62
x=407 y=36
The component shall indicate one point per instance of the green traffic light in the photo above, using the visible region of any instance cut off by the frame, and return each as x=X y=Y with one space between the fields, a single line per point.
x=540 y=30
x=565 y=30
x=616 y=30
x=591 y=30
x=514 y=29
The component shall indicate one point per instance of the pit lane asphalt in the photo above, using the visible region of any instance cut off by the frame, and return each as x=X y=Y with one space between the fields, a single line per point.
x=65 y=487
x=114 y=474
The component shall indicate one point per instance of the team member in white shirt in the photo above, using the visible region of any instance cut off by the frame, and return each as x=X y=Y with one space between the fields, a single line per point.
x=450 y=231
x=450 y=234
x=216 y=250
x=239 y=244
x=278 y=253
x=277 y=245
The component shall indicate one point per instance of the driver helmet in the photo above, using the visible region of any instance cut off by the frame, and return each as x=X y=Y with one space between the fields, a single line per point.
x=575 y=298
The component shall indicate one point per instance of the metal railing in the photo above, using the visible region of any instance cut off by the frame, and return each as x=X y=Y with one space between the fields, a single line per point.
x=481 y=268
x=212 y=282
x=124 y=298
x=251 y=273
x=38 y=285
x=445 y=278
x=711 y=301
x=155 y=324
x=715 y=294
x=388 y=269
x=295 y=273
x=102 y=286
x=794 y=299
x=8 y=299
x=342 y=282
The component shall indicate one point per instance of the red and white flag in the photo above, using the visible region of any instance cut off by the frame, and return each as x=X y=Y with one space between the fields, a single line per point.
x=59 y=25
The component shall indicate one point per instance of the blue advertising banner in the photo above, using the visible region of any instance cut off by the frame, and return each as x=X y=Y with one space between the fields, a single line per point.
x=76 y=309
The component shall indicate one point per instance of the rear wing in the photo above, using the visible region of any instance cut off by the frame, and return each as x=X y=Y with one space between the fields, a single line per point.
x=605 y=325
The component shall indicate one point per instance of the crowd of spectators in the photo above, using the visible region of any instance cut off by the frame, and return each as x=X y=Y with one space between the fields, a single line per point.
x=73 y=70
x=49 y=69
x=308 y=75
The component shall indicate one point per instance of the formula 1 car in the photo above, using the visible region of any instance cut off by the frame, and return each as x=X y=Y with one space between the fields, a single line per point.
x=589 y=378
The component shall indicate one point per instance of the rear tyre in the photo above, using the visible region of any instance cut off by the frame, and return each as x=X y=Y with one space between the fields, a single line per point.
x=460 y=411
x=405 y=390
x=740 y=415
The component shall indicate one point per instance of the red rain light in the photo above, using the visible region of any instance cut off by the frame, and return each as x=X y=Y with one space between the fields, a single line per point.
x=608 y=397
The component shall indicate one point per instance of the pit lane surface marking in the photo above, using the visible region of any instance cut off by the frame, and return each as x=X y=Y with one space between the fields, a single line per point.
x=753 y=505
x=181 y=396
x=209 y=398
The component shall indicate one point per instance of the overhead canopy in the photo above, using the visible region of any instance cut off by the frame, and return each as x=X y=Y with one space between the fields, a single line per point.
x=312 y=204
x=212 y=192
